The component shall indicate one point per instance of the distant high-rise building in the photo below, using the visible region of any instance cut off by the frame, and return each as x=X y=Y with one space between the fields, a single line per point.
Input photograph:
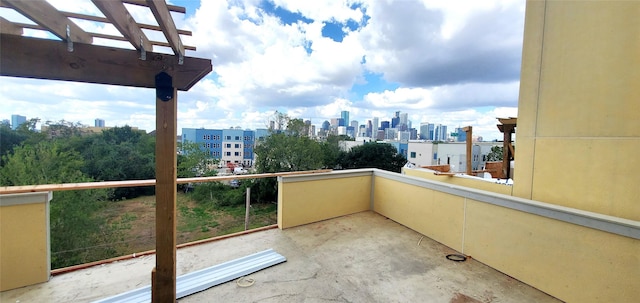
x=307 y=128
x=431 y=131
x=342 y=122
x=345 y=117
x=403 y=124
x=461 y=135
x=17 y=120
x=424 y=131
x=440 y=133
x=326 y=125
x=414 y=134
x=395 y=121
x=354 y=124
x=384 y=125
x=374 y=127
x=99 y=122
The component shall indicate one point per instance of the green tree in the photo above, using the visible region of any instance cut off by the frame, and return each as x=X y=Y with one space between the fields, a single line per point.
x=286 y=151
x=281 y=153
x=195 y=162
x=8 y=140
x=331 y=150
x=373 y=155
x=119 y=153
x=75 y=219
x=495 y=154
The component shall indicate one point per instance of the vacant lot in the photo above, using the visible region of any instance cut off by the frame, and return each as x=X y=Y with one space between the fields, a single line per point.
x=135 y=220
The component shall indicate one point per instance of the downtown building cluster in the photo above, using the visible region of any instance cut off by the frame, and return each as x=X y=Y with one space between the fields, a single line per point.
x=398 y=129
x=235 y=146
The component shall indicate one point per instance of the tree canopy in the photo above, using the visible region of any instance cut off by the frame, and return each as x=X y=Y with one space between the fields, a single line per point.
x=373 y=155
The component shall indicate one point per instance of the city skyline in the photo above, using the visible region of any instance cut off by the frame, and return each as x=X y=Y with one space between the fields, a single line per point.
x=453 y=62
x=375 y=123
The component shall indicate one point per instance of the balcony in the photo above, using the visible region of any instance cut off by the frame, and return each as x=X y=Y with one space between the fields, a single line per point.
x=374 y=236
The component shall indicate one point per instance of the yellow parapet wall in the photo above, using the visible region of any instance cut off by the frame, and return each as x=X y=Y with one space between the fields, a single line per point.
x=572 y=262
x=322 y=196
x=574 y=255
x=459 y=180
x=434 y=214
x=24 y=239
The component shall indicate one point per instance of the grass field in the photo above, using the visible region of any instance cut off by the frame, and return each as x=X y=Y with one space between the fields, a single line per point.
x=135 y=220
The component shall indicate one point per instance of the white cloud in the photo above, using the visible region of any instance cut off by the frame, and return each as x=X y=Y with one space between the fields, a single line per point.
x=455 y=61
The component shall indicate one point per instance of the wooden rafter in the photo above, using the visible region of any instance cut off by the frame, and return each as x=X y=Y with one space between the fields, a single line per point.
x=47 y=16
x=7 y=27
x=49 y=59
x=163 y=16
x=173 y=8
x=124 y=22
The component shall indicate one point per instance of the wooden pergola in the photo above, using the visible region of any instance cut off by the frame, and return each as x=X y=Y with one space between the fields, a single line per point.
x=507 y=127
x=75 y=57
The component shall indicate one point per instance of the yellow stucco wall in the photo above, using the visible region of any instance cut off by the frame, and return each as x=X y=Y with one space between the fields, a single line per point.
x=434 y=214
x=312 y=201
x=578 y=131
x=467 y=182
x=24 y=249
x=571 y=262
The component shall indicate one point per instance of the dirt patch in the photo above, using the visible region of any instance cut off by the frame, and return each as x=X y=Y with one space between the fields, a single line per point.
x=135 y=218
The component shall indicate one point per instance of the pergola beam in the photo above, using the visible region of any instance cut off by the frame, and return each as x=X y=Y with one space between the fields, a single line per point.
x=47 y=16
x=49 y=59
x=119 y=16
x=8 y=27
x=507 y=127
x=163 y=16
x=173 y=8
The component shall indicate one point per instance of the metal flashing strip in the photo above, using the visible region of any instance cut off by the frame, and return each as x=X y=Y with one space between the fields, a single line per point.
x=206 y=278
x=25 y=198
x=615 y=225
x=328 y=175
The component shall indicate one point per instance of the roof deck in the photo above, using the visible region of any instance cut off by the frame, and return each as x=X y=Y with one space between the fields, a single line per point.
x=362 y=257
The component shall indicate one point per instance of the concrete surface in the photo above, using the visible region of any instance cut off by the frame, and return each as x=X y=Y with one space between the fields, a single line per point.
x=357 y=258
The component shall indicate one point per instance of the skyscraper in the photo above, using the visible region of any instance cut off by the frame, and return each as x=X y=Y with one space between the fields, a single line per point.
x=384 y=125
x=326 y=125
x=345 y=117
x=99 y=122
x=374 y=127
x=403 y=125
x=424 y=131
x=395 y=120
x=17 y=120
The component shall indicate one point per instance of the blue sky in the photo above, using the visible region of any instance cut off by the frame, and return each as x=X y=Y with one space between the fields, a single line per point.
x=452 y=62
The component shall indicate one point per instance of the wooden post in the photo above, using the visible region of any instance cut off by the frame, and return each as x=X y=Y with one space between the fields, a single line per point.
x=469 y=132
x=247 y=206
x=164 y=274
x=507 y=155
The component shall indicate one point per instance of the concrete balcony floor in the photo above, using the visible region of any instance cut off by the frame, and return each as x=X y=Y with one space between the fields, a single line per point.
x=357 y=258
